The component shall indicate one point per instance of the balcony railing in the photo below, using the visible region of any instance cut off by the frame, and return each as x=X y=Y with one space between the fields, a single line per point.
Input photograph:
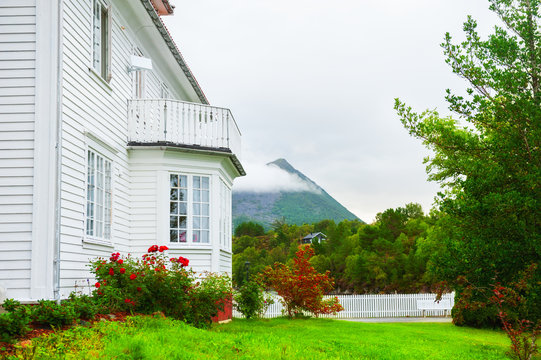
x=153 y=121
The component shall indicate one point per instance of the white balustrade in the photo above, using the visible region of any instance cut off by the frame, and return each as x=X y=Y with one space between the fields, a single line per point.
x=378 y=306
x=176 y=122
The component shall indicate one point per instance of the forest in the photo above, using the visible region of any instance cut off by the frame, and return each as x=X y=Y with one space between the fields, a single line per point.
x=390 y=255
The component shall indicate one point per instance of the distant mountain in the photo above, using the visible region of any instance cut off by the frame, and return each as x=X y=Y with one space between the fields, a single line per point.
x=305 y=202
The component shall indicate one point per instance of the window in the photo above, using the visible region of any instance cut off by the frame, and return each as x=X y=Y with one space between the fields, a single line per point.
x=101 y=39
x=98 y=196
x=139 y=79
x=189 y=209
x=225 y=216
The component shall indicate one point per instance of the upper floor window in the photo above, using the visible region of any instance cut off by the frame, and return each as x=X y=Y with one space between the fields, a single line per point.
x=189 y=209
x=98 y=196
x=101 y=39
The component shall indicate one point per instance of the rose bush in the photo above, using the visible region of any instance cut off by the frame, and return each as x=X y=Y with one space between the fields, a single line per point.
x=158 y=283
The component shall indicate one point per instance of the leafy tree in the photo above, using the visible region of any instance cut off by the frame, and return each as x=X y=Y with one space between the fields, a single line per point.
x=488 y=157
x=249 y=228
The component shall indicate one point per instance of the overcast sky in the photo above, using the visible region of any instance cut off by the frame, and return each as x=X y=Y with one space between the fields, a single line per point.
x=314 y=82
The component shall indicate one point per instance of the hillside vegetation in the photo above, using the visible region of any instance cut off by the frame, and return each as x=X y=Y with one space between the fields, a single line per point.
x=392 y=254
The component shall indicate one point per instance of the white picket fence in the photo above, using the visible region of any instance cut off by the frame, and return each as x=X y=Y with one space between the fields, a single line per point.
x=380 y=306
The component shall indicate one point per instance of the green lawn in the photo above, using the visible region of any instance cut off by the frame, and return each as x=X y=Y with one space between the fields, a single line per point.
x=149 y=338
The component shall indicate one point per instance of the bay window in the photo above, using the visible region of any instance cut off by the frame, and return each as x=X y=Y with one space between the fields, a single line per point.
x=189 y=209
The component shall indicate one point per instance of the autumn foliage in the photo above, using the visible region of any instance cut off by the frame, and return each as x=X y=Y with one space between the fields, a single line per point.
x=301 y=286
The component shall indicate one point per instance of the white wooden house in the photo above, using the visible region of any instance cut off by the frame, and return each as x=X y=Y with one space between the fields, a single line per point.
x=107 y=143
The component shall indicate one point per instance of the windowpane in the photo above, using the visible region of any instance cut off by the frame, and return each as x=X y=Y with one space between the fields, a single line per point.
x=173 y=222
x=182 y=236
x=196 y=222
x=197 y=182
x=204 y=223
x=196 y=196
x=174 y=194
x=183 y=181
x=205 y=209
x=99 y=196
x=205 y=196
x=173 y=236
x=173 y=180
x=197 y=209
x=183 y=195
x=196 y=236
x=173 y=208
x=205 y=183
x=182 y=208
x=182 y=222
x=205 y=236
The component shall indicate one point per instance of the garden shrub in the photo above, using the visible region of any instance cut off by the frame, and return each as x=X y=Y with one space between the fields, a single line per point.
x=85 y=306
x=50 y=313
x=251 y=301
x=158 y=283
x=301 y=286
x=15 y=321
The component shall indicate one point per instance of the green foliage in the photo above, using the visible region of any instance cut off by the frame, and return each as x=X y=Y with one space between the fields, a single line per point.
x=15 y=321
x=85 y=306
x=50 y=313
x=489 y=158
x=249 y=228
x=158 y=283
x=251 y=301
x=392 y=254
x=157 y=338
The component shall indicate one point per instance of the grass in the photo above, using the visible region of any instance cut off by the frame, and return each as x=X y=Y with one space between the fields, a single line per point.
x=156 y=338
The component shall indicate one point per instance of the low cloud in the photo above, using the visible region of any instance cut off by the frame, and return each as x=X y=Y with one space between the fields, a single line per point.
x=265 y=178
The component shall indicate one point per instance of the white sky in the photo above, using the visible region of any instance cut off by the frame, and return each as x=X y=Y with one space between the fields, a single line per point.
x=314 y=82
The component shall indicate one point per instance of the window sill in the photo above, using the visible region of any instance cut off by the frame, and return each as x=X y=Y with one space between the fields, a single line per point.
x=100 y=80
x=181 y=246
x=97 y=243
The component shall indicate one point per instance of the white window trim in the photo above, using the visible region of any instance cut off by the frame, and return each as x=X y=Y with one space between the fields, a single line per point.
x=101 y=148
x=189 y=227
x=106 y=80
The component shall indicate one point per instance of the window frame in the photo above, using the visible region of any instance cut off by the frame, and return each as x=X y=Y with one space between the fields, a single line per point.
x=99 y=226
x=103 y=68
x=190 y=214
x=95 y=144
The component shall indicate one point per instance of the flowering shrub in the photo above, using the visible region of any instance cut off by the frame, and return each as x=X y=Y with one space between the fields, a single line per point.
x=251 y=300
x=158 y=283
x=301 y=286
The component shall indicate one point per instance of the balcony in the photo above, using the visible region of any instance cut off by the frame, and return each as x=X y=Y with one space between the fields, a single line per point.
x=182 y=124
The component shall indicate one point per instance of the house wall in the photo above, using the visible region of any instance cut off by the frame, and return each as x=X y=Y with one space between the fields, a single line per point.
x=94 y=114
x=17 y=112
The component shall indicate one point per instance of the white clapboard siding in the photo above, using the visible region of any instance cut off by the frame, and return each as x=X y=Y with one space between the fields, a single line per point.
x=377 y=306
x=17 y=89
x=90 y=106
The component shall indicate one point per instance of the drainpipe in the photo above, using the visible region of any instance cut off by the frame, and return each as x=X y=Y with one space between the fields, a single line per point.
x=58 y=145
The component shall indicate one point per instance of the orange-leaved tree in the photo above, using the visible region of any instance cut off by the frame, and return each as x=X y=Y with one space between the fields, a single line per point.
x=301 y=286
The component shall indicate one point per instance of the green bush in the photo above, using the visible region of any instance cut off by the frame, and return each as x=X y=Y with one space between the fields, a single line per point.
x=15 y=322
x=85 y=306
x=158 y=283
x=250 y=300
x=50 y=313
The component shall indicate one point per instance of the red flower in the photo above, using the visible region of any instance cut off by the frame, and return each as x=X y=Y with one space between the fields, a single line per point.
x=111 y=271
x=133 y=277
x=97 y=285
x=163 y=248
x=138 y=288
x=122 y=270
x=153 y=248
x=183 y=261
x=120 y=261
